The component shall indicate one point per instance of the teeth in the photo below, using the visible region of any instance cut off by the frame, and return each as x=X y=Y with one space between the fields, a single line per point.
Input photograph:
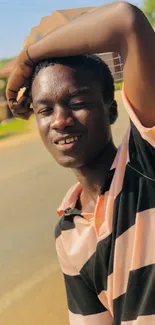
x=61 y=142
x=68 y=140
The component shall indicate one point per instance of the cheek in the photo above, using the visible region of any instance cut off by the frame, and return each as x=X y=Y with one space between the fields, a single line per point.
x=94 y=120
x=43 y=125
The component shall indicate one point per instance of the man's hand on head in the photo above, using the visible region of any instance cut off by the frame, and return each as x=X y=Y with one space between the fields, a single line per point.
x=18 y=79
x=22 y=107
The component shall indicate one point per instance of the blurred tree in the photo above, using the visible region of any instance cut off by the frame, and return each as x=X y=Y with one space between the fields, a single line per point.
x=3 y=83
x=4 y=61
x=149 y=10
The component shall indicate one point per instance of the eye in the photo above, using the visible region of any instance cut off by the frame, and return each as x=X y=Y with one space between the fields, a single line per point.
x=79 y=105
x=45 y=111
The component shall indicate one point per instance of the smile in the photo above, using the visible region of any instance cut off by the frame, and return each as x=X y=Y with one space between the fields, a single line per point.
x=68 y=143
x=69 y=140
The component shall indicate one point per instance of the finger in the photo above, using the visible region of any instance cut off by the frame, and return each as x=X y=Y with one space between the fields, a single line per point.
x=22 y=107
x=25 y=93
x=12 y=90
x=23 y=96
x=18 y=78
x=24 y=103
x=26 y=83
x=24 y=116
x=19 y=109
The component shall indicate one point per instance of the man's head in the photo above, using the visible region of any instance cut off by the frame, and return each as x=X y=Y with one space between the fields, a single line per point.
x=73 y=100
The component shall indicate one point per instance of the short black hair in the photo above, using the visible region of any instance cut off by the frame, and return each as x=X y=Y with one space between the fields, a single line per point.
x=89 y=62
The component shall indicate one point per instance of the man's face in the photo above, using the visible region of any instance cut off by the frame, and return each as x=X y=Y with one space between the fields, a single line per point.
x=71 y=116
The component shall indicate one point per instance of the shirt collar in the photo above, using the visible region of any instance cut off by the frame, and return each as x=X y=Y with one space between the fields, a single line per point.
x=70 y=199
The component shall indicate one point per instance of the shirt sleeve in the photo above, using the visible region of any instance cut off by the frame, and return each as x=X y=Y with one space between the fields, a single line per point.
x=141 y=143
x=84 y=305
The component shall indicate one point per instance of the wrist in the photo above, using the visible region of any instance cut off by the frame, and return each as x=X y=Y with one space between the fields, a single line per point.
x=26 y=58
x=30 y=59
x=32 y=54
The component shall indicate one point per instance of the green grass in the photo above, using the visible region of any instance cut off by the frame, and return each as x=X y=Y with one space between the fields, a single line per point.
x=13 y=127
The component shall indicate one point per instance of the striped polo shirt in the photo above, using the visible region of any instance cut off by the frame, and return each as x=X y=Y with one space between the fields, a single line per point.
x=108 y=257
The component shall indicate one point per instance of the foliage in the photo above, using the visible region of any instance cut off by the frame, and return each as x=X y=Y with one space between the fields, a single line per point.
x=149 y=10
x=4 y=61
x=118 y=85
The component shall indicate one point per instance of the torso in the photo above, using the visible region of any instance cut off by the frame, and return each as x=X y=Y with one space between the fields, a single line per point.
x=112 y=250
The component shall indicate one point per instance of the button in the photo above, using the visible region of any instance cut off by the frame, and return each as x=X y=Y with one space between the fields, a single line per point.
x=67 y=211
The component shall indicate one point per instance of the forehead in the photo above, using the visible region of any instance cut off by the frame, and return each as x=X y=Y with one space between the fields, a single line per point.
x=58 y=80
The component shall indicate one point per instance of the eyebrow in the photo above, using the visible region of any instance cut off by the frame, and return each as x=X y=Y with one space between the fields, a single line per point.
x=72 y=93
x=40 y=101
x=79 y=91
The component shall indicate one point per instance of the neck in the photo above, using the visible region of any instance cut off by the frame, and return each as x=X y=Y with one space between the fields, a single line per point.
x=93 y=175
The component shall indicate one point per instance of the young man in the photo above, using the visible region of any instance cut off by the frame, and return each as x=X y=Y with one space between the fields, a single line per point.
x=106 y=234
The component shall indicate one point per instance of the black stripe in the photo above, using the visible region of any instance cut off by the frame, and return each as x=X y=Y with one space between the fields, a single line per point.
x=137 y=195
x=108 y=182
x=140 y=297
x=141 y=153
x=57 y=230
x=67 y=221
x=81 y=299
x=99 y=266
x=118 y=306
x=125 y=205
x=146 y=198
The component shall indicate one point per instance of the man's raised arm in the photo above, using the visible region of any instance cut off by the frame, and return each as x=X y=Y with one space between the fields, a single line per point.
x=118 y=27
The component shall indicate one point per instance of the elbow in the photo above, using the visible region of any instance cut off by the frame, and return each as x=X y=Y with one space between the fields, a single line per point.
x=130 y=15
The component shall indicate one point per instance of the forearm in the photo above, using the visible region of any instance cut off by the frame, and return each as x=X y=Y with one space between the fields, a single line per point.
x=99 y=31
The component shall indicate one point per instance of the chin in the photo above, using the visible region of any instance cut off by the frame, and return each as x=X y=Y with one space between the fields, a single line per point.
x=70 y=162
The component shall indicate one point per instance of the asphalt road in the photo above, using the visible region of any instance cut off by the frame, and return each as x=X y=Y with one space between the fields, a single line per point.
x=31 y=188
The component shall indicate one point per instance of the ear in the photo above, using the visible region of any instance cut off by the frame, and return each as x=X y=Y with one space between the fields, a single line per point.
x=113 y=112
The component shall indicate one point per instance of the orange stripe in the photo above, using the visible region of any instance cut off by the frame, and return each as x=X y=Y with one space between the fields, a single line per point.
x=105 y=204
x=147 y=134
x=70 y=198
x=144 y=252
x=133 y=250
x=122 y=261
x=80 y=244
x=65 y=264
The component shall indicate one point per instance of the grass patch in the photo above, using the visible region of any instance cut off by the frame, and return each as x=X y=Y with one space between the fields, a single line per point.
x=12 y=127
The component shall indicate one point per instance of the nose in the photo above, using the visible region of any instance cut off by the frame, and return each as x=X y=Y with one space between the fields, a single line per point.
x=61 y=119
